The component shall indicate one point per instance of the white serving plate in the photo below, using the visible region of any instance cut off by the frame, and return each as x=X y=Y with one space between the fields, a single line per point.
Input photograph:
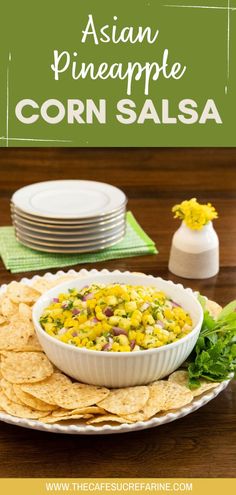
x=83 y=429
x=69 y=223
x=68 y=199
x=69 y=240
x=69 y=231
x=60 y=248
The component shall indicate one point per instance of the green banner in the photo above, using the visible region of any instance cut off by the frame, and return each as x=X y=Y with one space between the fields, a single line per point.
x=118 y=73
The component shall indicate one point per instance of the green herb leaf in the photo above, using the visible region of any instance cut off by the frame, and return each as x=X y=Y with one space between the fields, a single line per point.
x=214 y=356
x=229 y=309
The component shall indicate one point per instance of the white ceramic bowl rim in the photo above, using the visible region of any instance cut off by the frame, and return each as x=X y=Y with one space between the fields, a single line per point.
x=47 y=296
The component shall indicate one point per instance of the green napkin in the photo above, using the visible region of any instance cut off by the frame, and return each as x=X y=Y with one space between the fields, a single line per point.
x=18 y=258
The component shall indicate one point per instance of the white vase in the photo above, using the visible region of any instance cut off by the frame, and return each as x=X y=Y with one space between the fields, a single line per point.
x=195 y=253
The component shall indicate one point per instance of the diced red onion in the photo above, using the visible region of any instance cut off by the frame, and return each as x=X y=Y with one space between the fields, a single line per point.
x=95 y=320
x=74 y=334
x=119 y=331
x=55 y=300
x=88 y=296
x=75 y=311
x=64 y=305
x=107 y=347
x=108 y=312
x=132 y=344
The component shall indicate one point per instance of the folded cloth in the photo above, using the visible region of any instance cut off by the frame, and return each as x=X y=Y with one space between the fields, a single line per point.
x=18 y=258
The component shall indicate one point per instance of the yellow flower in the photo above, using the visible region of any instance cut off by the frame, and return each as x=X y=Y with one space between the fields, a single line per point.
x=194 y=214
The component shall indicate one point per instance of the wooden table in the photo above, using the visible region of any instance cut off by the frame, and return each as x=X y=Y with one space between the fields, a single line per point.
x=204 y=443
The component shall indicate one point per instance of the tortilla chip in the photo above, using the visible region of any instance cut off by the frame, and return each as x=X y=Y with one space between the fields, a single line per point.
x=4 y=353
x=213 y=308
x=53 y=419
x=45 y=389
x=181 y=377
x=77 y=395
x=21 y=293
x=125 y=401
x=16 y=319
x=154 y=404
x=204 y=387
x=3 y=320
x=32 y=344
x=83 y=410
x=174 y=396
x=31 y=401
x=62 y=279
x=8 y=308
x=25 y=311
x=113 y=418
x=25 y=367
x=15 y=335
x=19 y=410
x=8 y=390
x=43 y=285
x=88 y=410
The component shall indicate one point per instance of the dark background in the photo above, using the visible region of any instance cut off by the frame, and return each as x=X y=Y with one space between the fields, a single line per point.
x=202 y=444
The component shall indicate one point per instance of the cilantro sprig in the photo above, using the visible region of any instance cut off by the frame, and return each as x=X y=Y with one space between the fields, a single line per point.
x=214 y=356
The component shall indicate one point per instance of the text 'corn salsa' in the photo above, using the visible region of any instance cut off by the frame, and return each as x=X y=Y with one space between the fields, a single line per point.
x=116 y=318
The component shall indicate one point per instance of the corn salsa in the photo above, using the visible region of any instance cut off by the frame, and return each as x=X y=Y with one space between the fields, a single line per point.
x=116 y=318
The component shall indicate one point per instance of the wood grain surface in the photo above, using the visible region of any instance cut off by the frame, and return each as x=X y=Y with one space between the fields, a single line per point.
x=204 y=443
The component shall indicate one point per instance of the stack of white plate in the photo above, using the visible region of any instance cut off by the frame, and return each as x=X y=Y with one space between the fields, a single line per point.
x=69 y=216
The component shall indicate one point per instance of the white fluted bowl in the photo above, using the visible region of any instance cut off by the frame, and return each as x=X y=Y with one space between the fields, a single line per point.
x=120 y=369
